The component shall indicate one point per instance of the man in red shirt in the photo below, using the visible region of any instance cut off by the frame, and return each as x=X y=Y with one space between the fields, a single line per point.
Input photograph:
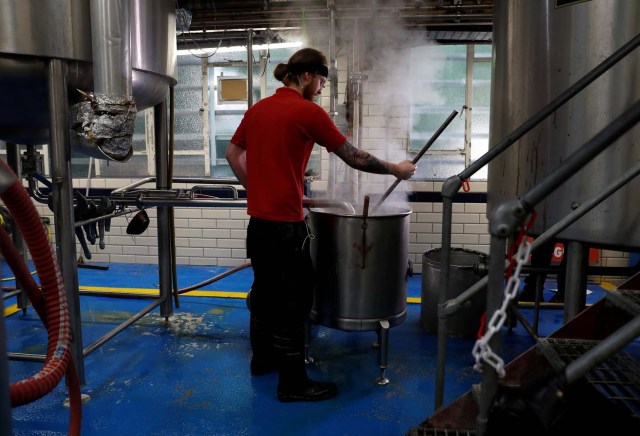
x=268 y=154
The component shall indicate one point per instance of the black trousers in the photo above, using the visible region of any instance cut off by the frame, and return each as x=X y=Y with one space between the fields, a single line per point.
x=282 y=290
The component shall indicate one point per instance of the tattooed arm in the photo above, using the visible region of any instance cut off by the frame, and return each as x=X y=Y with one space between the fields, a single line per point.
x=363 y=161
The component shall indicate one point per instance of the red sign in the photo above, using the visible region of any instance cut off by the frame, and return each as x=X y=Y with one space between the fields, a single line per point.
x=558 y=253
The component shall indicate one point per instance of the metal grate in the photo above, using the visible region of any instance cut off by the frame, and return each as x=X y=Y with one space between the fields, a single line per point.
x=631 y=295
x=617 y=378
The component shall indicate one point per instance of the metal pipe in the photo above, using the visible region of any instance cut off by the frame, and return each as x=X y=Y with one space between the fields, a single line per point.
x=356 y=93
x=105 y=338
x=111 y=47
x=187 y=202
x=383 y=351
x=249 y=68
x=234 y=191
x=172 y=221
x=26 y=357
x=11 y=294
x=62 y=195
x=103 y=124
x=245 y=19
x=333 y=63
x=215 y=279
x=444 y=292
x=5 y=397
x=576 y=279
x=13 y=159
x=495 y=288
x=127 y=188
x=162 y=182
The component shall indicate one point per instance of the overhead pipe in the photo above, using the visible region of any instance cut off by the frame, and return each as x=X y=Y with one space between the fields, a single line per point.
x=102 y=125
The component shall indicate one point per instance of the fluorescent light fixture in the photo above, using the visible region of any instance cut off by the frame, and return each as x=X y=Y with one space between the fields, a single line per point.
x=209 y=50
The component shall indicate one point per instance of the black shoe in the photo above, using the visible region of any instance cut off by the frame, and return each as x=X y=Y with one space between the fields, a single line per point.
x=262 y=367
x=309 y=391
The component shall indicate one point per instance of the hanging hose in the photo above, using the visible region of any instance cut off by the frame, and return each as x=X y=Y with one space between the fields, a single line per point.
x=50 y=303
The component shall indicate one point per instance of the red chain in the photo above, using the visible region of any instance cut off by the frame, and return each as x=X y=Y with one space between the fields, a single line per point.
x=465 y=185
x=523 y=234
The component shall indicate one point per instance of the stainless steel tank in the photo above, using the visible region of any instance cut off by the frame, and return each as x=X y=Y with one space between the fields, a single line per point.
x=540 y=49
x=33 y=31
x=361 y=265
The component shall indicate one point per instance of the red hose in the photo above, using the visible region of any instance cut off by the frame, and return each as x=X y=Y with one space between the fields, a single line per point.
x=56 y=321
x=54 y=302
x=17 y=265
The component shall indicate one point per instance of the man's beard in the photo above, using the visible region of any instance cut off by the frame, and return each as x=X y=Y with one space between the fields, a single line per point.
x=308 y=94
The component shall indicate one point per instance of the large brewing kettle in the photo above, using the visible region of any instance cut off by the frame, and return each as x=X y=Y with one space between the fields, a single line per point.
x=362 y=266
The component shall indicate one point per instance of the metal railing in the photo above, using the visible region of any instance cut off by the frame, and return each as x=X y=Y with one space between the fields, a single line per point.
x=509 y=215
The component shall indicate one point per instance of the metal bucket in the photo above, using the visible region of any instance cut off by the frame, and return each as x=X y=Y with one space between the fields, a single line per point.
x=362 y=265
x=467 y=267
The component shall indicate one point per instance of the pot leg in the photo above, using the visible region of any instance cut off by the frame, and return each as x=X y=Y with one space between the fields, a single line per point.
x=383 y=350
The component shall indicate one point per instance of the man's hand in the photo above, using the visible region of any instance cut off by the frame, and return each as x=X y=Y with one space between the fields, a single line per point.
x=403 y=170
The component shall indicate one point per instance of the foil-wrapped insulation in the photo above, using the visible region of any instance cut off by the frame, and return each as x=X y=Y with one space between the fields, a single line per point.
x=102 y=127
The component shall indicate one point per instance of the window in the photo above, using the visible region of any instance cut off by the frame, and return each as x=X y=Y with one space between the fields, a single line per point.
x=444 y=78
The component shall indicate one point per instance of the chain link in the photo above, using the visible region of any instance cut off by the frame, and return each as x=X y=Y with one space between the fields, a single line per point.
x=482 y=350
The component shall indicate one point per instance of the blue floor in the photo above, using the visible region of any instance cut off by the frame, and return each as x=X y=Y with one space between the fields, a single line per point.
x=191 y=376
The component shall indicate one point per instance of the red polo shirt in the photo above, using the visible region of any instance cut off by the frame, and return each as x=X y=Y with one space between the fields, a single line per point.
x=278 y=133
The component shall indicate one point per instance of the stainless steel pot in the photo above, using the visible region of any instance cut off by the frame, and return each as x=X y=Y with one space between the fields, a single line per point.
x=362 y=265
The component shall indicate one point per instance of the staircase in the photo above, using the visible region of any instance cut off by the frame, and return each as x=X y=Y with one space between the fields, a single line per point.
x=531 y=400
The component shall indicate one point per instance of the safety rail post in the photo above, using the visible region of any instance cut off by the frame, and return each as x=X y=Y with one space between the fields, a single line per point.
x=62 y=199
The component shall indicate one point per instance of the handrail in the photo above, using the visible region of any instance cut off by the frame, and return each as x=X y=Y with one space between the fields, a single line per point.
x=453 y=184
x=454 y=304
x=127 y=188
x=510 y=214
